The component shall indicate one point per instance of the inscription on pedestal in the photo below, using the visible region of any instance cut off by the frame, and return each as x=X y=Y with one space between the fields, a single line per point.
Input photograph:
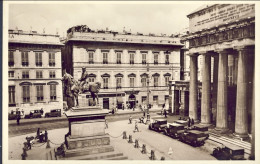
x=87 y=128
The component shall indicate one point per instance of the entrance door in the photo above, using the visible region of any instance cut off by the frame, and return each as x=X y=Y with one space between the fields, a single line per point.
x=132 y=101
x=105 y=103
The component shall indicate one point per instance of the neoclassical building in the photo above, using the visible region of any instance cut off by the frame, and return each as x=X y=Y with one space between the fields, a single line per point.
x=224 y=36
x=127 y=65
x=34 y=74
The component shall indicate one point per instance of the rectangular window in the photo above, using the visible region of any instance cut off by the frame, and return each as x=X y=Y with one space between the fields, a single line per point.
x=53 y=96
x=132 y=82
x=10 y=74
x=38 y=59
x=144 y=99
x=167 y=80
x=52 y=74
x=25 y=75
x=156 y=81
x=155 y=99
x=132 y=59
x=11 y=58
x=11 y=90
x=38 y=74
x=91 y=79
x=26 y=94
x=91 y=57
x=156 y=58
x=39 y=90
x=143 y=81
x=118 y=56
x=167 y=59
x=51 y=59
x=118 y=82
x=105 y=60
x=25 y=59
x=143 y=58
x=105 y=80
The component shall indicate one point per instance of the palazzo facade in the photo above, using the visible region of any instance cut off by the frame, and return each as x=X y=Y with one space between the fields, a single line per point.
x=127 y=65
x=224 y=34
x=34 y=72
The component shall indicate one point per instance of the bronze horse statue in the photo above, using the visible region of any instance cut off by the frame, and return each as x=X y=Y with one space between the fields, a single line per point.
x=72 y=88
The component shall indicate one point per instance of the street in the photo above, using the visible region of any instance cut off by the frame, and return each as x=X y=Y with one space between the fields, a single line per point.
x=158 y=142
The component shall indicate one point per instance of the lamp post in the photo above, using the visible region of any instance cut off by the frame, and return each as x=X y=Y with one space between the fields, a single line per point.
x=171 y=93
x=148 y=94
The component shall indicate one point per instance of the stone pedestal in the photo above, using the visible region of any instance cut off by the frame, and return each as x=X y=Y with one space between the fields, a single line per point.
x=86 y=138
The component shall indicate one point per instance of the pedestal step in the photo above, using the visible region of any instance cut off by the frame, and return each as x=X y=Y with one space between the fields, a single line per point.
x=101 y=156
x=88 y=151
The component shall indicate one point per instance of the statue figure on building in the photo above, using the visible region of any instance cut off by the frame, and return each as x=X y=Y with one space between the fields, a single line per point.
x=72 y=88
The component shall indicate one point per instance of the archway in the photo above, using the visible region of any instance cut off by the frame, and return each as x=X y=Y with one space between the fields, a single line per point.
x=132 y=101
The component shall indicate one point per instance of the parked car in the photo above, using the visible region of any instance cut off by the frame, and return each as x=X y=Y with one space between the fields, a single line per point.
x=13 y=115
x=34 y=114
x=229 y=152
x=174 y=130
x=158 y=125
x=181 y=122
x=194 y=137
x=53 y=113
x=201 y=128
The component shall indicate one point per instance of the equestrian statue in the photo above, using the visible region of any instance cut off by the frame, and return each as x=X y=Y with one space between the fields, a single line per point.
x=72 y=88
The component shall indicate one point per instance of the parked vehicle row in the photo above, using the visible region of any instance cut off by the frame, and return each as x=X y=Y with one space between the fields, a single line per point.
x=196 y=136
x=37 y=113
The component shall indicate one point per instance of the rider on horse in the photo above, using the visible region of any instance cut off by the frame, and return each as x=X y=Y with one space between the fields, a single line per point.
x=83 y=80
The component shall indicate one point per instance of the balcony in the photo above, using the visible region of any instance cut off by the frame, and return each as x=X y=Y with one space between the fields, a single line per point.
x=38 y=64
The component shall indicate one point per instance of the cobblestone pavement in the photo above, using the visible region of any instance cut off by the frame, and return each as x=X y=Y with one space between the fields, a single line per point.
x=153 y=140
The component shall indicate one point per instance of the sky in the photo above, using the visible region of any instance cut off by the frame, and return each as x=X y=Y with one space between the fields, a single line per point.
x=144 y=18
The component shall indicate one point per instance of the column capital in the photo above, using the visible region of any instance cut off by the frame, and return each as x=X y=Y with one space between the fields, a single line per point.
x=241 y=48
x=222 y=51
x=193 y=54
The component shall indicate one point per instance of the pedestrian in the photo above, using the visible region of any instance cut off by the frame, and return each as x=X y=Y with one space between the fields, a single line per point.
x=189 y=122
x=106 y=124
x=113 y=111
x=38 y=133
x=144 y=114
x=130 y=119
x=41 y=136
x=18 y=117
x=192 y=121
x=46 y=136
x=29 y=143
x=136 y=127
x=123 y=106
x=165 y=113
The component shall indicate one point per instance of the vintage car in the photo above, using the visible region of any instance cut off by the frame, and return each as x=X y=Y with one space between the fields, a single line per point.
x=194 y=137
x=229 y=152
x=34 y=114
x=158 y=125
x=13 y=115
x=181 y=122
x=174 y=130
x=201 y=128
x=53 y=113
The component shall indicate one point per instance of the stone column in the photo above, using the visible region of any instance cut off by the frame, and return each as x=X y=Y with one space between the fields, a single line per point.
x=215 y=89
x=241 y=124
x=222 y=122
x=206 y=89
x=193 y=97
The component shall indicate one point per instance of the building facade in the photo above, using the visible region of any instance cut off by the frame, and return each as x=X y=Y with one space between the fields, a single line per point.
x=129 y=66
x=34 y=74
x=223 y=35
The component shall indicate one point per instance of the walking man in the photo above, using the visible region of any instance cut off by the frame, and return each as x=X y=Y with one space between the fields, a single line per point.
x=136 y=127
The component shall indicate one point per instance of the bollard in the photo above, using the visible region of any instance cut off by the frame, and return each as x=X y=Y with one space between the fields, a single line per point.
x=48 y=144
x=25 y=145
x=24 y=152
x=162 y=158
x=23 y=156
x=136 y=143
x=124 y=135
x=152 y=155
x=143 y=149
x=130 y=139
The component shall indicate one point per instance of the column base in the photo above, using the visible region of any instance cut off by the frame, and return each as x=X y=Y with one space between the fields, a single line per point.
x=205 y=124
x=221 y=130
x=241 y=136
